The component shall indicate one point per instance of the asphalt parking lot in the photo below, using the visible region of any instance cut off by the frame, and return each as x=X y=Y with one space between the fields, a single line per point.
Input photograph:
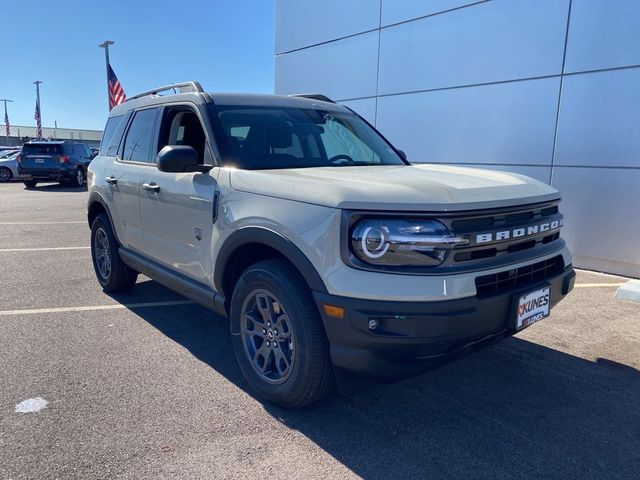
x=144 y=385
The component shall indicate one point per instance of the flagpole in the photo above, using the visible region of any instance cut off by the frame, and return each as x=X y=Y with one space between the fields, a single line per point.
x=6 y=117
x=38 y=132
x=105 y=45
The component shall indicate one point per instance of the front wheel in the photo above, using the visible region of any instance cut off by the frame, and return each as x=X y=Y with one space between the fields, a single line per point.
x=281 y=349
x=112 y=273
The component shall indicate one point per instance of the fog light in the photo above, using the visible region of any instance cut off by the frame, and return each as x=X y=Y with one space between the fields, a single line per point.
x=373 y=324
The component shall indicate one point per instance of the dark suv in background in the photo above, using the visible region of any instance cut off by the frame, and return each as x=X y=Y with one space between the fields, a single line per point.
x=54 y=161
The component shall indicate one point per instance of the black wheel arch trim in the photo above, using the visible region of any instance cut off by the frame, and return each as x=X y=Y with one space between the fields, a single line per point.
x=95 y=197
x=269 y=238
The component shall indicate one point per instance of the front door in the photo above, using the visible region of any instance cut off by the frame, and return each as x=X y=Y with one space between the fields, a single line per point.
x=178 y=209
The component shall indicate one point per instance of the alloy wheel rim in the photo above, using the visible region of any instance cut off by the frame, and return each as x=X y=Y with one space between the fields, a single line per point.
x=267 y=336
x=5 y=174
x=102 y=253
x=79 y=177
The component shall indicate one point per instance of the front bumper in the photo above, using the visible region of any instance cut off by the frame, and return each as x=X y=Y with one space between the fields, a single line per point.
x=412 y=337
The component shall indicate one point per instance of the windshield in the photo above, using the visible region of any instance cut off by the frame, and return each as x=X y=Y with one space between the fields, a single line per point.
x=257 y=138
x=6 y=153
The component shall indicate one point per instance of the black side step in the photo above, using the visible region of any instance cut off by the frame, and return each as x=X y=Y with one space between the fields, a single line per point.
x=181 y=284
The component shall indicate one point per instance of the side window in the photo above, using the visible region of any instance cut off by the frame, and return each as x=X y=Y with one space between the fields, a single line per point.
x=112 y=135
x=239 y=133
x=181 y=126
x=138 y=143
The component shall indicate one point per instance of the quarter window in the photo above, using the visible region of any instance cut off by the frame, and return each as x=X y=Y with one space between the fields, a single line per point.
x=112 y=136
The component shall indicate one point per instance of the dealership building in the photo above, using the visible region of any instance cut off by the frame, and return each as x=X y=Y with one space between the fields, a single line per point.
x=546 y=88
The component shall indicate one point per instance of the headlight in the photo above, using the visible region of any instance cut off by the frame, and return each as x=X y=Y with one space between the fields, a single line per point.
x=419 y=243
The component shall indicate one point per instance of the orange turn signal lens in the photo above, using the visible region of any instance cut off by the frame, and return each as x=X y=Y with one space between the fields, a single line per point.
x=333 y=311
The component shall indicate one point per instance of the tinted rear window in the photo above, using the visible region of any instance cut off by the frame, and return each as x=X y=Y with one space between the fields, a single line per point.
x=41 y=149
x=112 y=136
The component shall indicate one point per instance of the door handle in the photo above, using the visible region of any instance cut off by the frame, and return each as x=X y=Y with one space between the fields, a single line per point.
x=111 y=180
x=151 y=187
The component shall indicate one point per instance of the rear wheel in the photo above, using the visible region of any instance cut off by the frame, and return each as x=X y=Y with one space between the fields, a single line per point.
x=112 y=273
x=30 y=183
x=5 y=174
x=78 y=178
x=282 y=349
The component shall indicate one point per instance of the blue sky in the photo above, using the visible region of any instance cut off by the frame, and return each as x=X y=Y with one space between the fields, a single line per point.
x=227 y=45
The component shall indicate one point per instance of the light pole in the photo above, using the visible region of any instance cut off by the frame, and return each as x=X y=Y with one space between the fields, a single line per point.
x=105 y=45
x=6 y=117
x=38 y=110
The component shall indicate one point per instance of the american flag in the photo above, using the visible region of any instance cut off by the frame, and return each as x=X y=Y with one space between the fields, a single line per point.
x=7 y=125
x=116 y=93
x=36 y=116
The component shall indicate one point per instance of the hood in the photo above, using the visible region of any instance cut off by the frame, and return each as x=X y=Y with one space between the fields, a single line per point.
x=396 y=187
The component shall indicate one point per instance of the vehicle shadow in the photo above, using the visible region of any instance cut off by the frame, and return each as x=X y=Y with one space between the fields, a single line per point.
x=513 y=410
x=57 y=187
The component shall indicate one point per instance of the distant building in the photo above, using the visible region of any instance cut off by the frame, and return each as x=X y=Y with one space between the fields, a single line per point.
x=21 y=134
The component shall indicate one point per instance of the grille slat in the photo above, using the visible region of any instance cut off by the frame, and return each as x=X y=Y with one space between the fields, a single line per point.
x=509 y=280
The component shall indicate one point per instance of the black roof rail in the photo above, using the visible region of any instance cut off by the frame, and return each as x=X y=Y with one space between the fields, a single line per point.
x=184 y=87
x=314 y=96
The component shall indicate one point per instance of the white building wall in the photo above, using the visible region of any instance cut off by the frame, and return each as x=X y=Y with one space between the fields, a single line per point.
x=548 y=88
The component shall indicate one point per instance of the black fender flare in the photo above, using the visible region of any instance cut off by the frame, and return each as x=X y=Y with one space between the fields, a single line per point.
x=269 y=238
x=95 y=197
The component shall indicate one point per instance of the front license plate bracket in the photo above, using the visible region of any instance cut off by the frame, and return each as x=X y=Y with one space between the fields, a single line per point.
x=532 y=307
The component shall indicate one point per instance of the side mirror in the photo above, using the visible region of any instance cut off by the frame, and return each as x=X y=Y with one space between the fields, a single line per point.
x=179 y=159
x=402 y=155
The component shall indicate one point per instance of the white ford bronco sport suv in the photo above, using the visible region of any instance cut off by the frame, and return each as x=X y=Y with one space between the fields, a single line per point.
x=328 y=251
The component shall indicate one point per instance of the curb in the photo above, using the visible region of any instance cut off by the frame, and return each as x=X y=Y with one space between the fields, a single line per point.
x=629 y=291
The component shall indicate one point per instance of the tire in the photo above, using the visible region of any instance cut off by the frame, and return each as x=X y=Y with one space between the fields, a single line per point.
x=112 y=273
x=5 y=174
x=30 y=183
x=290 y=367
x=78 y=178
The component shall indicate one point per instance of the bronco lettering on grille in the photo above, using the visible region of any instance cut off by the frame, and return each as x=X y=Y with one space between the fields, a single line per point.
x=521 y=232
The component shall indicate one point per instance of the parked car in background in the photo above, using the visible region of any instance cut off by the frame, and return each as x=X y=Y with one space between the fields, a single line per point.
x=54 y=161
x=9 y=166
x=8 y=151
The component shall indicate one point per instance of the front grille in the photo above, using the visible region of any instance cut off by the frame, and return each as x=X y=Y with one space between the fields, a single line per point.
x=510 y=280
x=503 y=222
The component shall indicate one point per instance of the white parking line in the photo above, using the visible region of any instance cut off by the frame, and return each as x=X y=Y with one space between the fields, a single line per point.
x=44 y=223
x=595 y=285
x=88 y=308
x=41 y=249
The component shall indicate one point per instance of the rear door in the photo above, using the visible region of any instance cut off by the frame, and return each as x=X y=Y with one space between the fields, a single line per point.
x=133 y=156
x=179 y=209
